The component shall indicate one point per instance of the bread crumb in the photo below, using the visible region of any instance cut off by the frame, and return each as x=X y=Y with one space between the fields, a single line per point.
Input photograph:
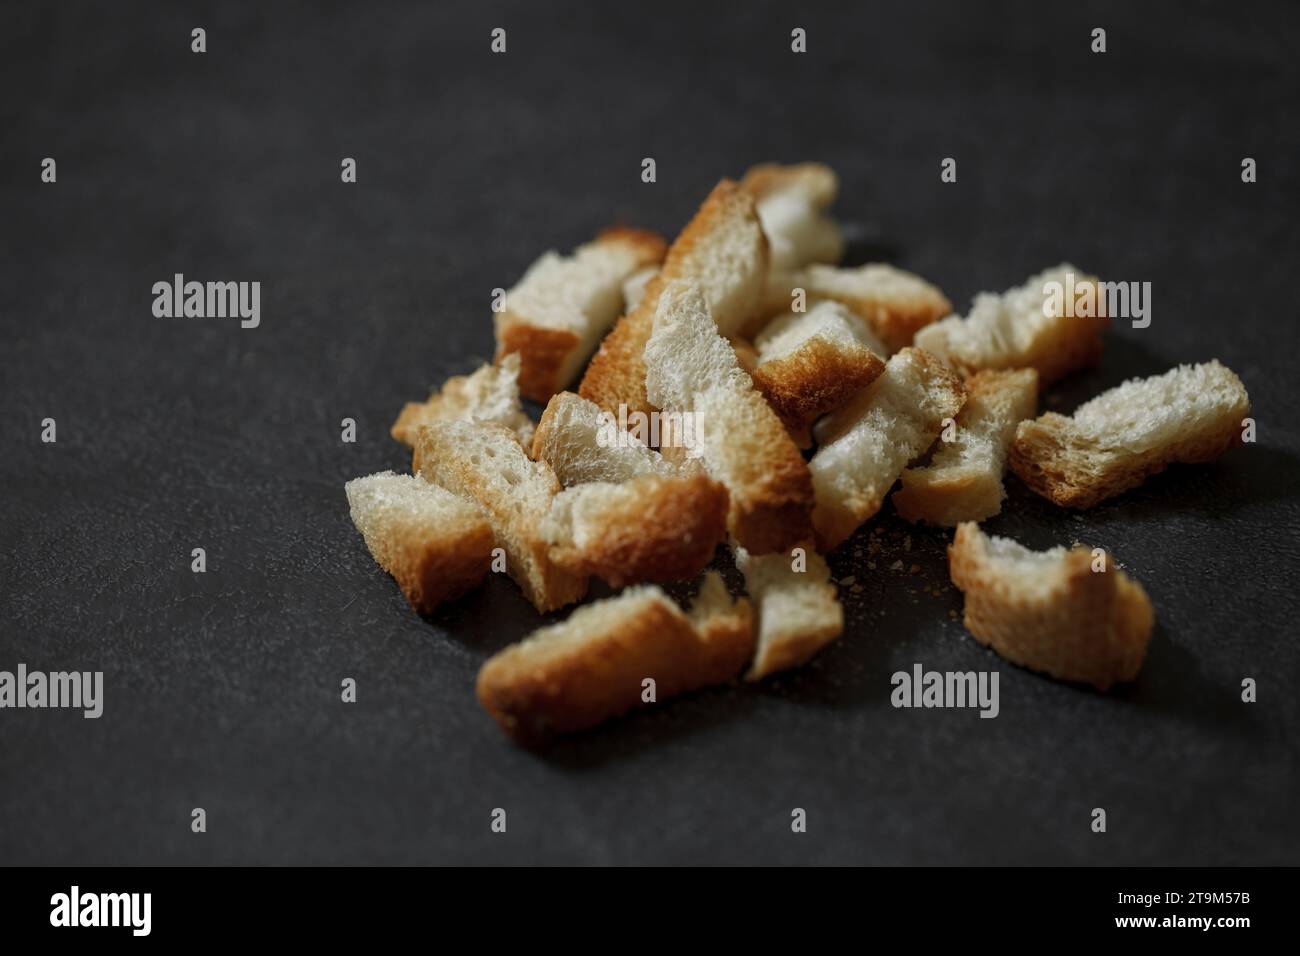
x=896 y=566
x=915 y=569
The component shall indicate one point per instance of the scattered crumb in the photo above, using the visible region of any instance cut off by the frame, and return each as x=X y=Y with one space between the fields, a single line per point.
x=907 y=543
x=915 y=569
x=849 y=580
x=871 y=565
x=896 y=566
x=856 y=589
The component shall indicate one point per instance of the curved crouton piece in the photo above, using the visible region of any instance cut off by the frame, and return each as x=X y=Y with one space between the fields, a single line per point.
x=1050 y=611
x=867 y=443
x=435 y=545
x=554 y=316
x=1114 y=442
x=963 y=482
x=591 y=667
x=1026 y=327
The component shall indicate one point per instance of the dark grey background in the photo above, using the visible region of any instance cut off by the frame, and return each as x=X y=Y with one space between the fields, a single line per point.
x=223 y=689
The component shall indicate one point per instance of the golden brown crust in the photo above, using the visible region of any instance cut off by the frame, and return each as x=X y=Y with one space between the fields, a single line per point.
x=543 y=351
x=666 y=530
x=1061 y=618
x=557 y=682
x=616 y=374
x=1071 y=468
x=817 y=378
x=619 y=364
x=432 y=569
x=431 y=572
x=768 y=480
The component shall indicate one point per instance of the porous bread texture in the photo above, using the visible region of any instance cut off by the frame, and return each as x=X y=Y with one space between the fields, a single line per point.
x=1190 y=414
x=490 y=394
x=798 y=612
x=484 y=462
x=792 y=202
x=593 y=666
x=723 y=251
x=1025 y=327
x=741 y=442
x=811 y=363
x=1050 y=611
x=894 y=303
x=867 y=443
x=435 y=545
x=582 y=442
x=644 y=529
x=554 y=316
x=963 y=480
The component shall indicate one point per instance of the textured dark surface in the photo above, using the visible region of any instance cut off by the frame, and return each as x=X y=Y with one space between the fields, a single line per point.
x=222 y=689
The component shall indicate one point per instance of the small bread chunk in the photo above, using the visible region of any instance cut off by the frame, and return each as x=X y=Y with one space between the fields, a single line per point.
x=645 y=529
x=893 y=303
x=491 y=394
x=435 y=545
x=582 y=442
x=485 y=462
x=867 y=443
x=591 y=667
x=1026 y=327
x=561 y=308
x=798 y=611
x=792 y=203
x=1049 y=610
x=724 y=252
x=634 y=287
x=1114 y=442
x=963 y=481
x=742 y=443
x=811 y=363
